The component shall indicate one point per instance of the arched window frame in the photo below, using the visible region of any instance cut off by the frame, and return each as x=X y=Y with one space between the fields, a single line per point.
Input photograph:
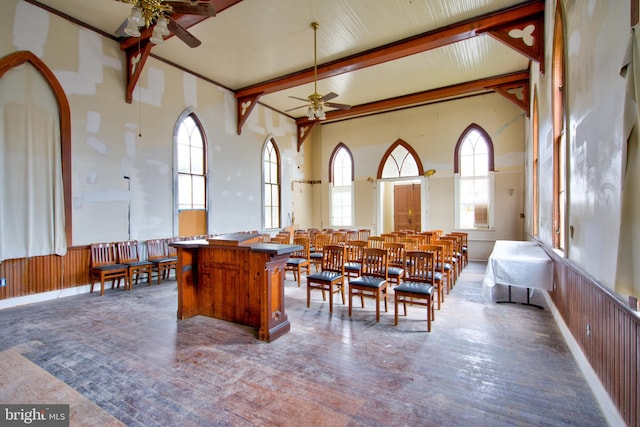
x=535 y=168
x=559 y=132
x=489 y=210
x=18 y=58
x=343 y=192
x=271 y=185
x=189 y=114
x=388 y=156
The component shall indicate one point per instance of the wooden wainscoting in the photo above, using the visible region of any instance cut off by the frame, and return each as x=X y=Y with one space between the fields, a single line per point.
x=28 y=276
x=607 y=331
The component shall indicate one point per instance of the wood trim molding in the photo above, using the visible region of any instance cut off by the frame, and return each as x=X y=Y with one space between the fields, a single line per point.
x=18 y=58
x=393 y=146
x=463 y=135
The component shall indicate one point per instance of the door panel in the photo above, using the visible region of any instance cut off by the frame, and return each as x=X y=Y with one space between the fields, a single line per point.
x=406 y=207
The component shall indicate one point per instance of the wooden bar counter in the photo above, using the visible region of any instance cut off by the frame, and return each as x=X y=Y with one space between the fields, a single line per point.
x=234 y=277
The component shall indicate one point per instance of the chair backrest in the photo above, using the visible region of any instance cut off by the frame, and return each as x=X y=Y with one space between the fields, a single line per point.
x=277 y=239
x=354 y=250
x=338 y=237
x=395 y=253
x=428 y=236
x=447 y=249
x=171 y=250
x=286 y=236
x=103 y=254
x=420 y=266
x=456 y=242
x=375 y=263
x=321 y=240
x=304 y=252
x=376 y=242
x=410 y=243
x=364 y=233
x=352 y=235
x=128 y=251
x=389 y=237
x=156 y=249
x=333 y=257
x=438 y=256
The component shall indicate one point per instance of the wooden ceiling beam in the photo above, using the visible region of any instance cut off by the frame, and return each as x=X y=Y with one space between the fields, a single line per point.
x=421 y=43
x=501 y=84
x=134 y=46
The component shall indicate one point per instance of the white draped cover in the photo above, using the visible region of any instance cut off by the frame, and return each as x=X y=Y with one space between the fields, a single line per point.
x=522 y=264
x=32 y=218
x=628 y=266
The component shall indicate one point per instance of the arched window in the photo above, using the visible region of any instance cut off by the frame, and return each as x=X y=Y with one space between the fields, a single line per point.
x=271 y=182
x=341 y=178
x=192 y=180
x=400 y=160
x=559 y=137
x=34 y=118
x=473 y=179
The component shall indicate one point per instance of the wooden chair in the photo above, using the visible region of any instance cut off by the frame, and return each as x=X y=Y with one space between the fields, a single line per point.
x=338 y=237
x=331 y=277
x=158 y=255
x=353 y=260
x=439 y=274
x=389 y=237
x=449 y=262
x=456 y=251
x=465 y=246
x=395 y=253
x=364 y=233
x=373 y=281
x=321 y=239
x=103 y=266
x=376 y=242
x=352 y=235
x=278 y=239
x=299 y=259
x=129 y=255
x=417 y=287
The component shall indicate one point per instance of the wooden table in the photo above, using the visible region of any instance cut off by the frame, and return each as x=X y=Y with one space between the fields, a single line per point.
x=234 y=277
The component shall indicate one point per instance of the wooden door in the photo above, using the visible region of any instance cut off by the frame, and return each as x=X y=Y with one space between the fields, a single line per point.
x=406 y=207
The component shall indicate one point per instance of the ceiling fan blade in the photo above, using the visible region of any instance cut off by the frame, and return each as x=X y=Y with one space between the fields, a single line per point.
x=120 y=31
x=299 y=99
x=182 y=33
x=338 y=106
x=329 y=96
x=295 y=108
x=193 y=8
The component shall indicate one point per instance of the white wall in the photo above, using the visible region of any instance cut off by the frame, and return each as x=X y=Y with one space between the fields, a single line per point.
x=596 y=36
x=106 y=146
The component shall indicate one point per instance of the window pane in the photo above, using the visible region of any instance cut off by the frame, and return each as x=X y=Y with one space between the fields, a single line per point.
x=267 y=195
x=184 y=159
x=184 y=191
x=197 y=161
x=274 y=195
x=198 y=192
x=473 y=181
x=409 y=166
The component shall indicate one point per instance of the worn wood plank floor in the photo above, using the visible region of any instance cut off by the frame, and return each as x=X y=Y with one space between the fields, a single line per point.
x=483 y=364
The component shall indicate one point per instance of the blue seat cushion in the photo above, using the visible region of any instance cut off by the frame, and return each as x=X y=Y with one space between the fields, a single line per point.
x=414 y=288
x=368 y=281
x=139 y=263
x=395 y=271
x=296 y=261
x=352 y=266
x=324 y=276
x=110 y=267
x=316 y=255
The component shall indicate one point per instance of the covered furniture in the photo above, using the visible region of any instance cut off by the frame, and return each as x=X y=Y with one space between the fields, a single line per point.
x=331 y=278
x=235 y=277
x=373 y=281
x=519 y=263
x=104 y=266
x=417 y=286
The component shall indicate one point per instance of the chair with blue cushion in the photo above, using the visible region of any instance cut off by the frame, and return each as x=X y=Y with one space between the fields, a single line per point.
x=104 y=266
x=417 y=288
x=373 y=280
x=396 y=251
x=331 y=276
x=299 y=259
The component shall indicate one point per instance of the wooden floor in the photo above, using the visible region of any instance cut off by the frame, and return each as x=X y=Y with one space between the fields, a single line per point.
x=483 y=364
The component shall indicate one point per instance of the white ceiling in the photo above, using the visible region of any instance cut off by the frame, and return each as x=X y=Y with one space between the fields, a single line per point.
x=254 y=41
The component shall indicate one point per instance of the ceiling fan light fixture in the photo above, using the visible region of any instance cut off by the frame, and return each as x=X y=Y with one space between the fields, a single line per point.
x=159 y=31
x=132 y=29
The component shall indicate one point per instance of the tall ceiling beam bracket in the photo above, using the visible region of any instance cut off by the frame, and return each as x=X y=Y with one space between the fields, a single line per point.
x=525 y=36
x=516 y=92
x=244 y=107
x=304 y=127
x=137 y=55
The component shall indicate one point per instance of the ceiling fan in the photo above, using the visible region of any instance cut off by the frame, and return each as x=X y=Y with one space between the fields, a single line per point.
x=145 y=13
x=317 y=103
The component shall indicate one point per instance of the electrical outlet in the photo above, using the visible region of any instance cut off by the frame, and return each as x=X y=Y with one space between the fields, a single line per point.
x=3 y=282
x=589 y=330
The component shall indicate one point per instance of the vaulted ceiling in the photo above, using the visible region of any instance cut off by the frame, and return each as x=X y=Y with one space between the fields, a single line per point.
x=376 y=55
